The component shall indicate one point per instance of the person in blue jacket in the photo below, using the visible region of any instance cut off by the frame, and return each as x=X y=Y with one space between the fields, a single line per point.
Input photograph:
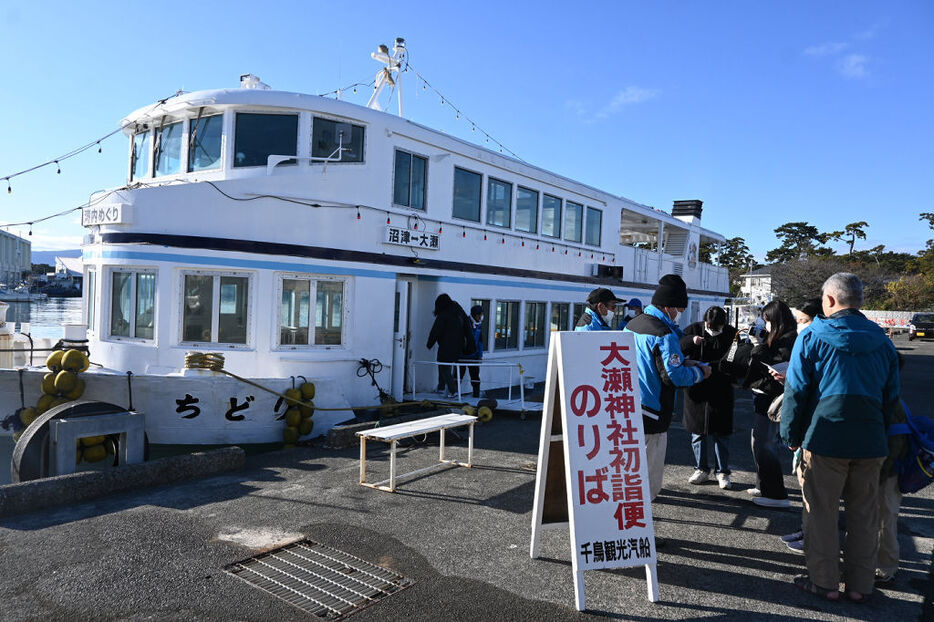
x=476 y=326
x=601 y=308
x=662 y=369
x=841 y=391
x=633 y=309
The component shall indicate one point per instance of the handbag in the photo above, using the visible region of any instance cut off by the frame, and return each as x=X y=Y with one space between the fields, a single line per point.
x=775 y=409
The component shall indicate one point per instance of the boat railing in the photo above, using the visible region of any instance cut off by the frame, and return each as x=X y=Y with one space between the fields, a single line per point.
x=514 y=369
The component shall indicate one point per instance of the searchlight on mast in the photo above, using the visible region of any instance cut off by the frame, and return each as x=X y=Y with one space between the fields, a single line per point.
x=390 y=73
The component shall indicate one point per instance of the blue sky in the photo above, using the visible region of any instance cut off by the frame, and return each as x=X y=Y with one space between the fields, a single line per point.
x=769 y=112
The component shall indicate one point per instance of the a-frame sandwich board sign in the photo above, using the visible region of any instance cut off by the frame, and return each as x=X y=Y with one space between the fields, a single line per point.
x=592 y=472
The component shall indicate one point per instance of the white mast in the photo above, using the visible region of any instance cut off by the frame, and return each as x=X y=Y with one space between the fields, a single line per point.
x=390 y=73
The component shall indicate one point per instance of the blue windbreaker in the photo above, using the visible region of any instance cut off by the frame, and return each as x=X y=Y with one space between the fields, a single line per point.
x=661 y=365
x=596 y=322
x=841 y=388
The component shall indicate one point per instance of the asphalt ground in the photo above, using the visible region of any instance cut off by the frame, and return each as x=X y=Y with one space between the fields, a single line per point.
x=461 y=534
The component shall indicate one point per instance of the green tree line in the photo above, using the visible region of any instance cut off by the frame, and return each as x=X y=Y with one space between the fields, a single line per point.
x=803 y=260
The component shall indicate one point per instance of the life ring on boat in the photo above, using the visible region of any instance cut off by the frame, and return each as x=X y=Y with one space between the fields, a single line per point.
x=31 y=453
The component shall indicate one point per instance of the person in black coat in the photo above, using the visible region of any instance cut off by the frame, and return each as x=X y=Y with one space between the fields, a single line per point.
x=708 y=406
x=776 y=346
x=452 y=332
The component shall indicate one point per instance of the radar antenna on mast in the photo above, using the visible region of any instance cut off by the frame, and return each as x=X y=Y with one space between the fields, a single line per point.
x=390 y=73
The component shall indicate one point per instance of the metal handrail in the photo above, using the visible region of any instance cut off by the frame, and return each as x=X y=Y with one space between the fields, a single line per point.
x=458 y=364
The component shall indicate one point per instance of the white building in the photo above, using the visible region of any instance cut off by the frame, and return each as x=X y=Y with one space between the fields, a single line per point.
x=757 y=286
x=15 y=258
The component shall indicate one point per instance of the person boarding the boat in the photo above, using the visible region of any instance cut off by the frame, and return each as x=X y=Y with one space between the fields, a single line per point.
x=451 y=331
x=476 y=327
x=601 y=308
x=662 y=369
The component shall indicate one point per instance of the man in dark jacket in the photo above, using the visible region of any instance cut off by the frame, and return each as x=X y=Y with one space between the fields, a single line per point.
x=662 y=368
x=841 y=390
x=451 y=331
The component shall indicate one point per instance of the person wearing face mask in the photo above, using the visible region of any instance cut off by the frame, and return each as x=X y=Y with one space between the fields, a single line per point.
x=600 y=311
x=708 y=406
x=633 y=308
x=662 y=369
x=806 y=313
x=781 y=331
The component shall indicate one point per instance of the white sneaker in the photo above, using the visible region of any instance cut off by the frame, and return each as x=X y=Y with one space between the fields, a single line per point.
x=724 y=480
x=699 y=477
x=772 y=503
x=755 y=492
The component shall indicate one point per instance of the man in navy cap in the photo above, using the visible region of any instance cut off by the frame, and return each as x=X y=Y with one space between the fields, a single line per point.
x=601 y=308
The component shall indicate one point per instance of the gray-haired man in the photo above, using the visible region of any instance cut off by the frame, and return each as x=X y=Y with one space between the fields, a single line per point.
x=841 y=390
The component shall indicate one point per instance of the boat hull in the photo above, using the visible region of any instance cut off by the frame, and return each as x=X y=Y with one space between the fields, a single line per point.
x=195 y=408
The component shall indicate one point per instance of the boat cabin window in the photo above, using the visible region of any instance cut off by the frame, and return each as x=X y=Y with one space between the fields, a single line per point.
x=534 y=325
x=132 y=304
x=594 y=224
x=295 y=312
x=409 y=180
x=167 y=152
x=328 y=136
x=560 y=312
x=498 y=203
x=91 y=293
x=215 y=308
x=507 y=325
x=526 y=210
x=573 y=221
x=578 y=312
x=204 y=143
x=485 y=326
x=551 y=216
x=467 y=188
x=258 y=136
x=139 y=159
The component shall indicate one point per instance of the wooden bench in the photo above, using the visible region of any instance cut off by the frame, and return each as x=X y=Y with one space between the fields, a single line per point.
x=392 y=434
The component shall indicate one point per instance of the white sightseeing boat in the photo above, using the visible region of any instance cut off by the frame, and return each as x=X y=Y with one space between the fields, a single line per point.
x=298 y=234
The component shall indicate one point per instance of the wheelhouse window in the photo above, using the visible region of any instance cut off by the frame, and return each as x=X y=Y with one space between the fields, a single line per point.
x=526 y=210
x=485 y=325
x=467 y=188
x=168 y=149
x=132 y=304
x=204 y=143
x=506 y=336
x=594 y=224
x=337 y=139
x=560 y=312
x=297 y=325
x=573 y=221
x=534 y=325
x=139 y=159
x=215 y=308
x=409 y=180
x=91 y=302
x=551 y=216
x=258 y=136
x=498 y=203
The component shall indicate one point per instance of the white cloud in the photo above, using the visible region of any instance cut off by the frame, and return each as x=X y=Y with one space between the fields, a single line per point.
x=628 y=96
x=854 y=66
x=826 y=49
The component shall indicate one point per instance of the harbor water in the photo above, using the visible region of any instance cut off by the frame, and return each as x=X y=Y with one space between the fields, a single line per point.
x=45 y=319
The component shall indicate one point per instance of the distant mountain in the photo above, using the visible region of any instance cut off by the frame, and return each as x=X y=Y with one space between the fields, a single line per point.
x=48 y=257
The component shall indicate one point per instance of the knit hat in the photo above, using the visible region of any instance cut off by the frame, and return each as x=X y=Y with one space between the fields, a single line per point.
x=602 y=294
x=671 y=292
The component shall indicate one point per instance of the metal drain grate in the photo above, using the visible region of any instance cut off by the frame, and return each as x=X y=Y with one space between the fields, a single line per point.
x=329 y=583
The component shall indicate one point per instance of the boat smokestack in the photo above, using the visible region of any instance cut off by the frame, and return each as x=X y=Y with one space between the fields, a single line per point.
x=688 y=211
